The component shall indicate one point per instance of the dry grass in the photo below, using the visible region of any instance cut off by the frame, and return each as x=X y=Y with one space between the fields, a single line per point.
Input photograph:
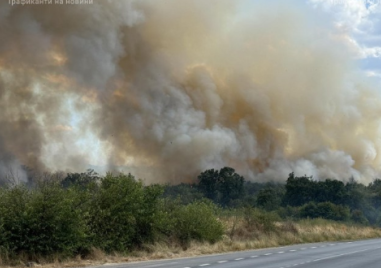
x=239 y=236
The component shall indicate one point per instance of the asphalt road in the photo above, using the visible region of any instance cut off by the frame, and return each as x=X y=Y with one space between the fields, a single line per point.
x=354 y=254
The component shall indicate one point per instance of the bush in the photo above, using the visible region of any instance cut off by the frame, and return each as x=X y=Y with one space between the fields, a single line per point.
x=269 y=199
x=41 y=221
x=196 y=221
x=54 y=221
x=289 y=212
x=186 y=193
x=14 y=220
x=122 y=213
x=261 y=220
x=358 y=217
x=325 y=210
x=116 y=214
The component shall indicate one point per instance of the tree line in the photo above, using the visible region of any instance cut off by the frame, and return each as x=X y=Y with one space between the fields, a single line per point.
x=71 y=215
x=298 y=197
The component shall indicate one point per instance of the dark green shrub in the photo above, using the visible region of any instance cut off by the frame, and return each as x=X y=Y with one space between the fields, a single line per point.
x=325 y=210
x=299 y=190
x=122 y=213
x=269 y=199
x=224 y=187
x=41 y=221
x=81 y=180
x=289 y=212
x=358 y=217
x=186 y=193
x=14 y=206
x=309 y=210
x=55 y=223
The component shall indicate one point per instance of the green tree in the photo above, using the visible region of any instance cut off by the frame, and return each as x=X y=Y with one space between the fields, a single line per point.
x=187 y=193
x=81 y=180
x=374 y=189
x=325 y=210
x=331 y=191
x=269 y=199
x=208 y=184
x=299 y=190
x=356 y=195
x=230 y=186
x=223 y=187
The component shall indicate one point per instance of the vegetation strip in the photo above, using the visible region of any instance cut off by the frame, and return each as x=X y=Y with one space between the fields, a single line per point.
x=88 y=219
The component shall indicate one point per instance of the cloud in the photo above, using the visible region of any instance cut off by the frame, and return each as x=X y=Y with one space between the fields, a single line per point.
x=356 y=22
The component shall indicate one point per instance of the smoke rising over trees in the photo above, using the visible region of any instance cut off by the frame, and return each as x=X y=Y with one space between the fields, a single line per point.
x=168 y=89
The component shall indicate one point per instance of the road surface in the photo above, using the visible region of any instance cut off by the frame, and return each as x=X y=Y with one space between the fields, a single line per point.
x=353 y=254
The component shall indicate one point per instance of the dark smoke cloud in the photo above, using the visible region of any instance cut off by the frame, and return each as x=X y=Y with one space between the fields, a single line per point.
x=166 y=89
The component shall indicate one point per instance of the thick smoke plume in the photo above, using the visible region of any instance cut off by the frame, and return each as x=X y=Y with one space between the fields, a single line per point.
x=166 y=89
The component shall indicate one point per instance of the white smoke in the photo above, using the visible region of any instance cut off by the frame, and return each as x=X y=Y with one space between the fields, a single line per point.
x=167 y=89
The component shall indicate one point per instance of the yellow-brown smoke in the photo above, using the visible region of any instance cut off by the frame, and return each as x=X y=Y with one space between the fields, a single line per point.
x=166 y=89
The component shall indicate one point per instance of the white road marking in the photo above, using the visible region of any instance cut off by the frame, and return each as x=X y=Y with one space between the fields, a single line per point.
x=281 y=252
x=325 y=258
x=160 y=264
x=344 y=254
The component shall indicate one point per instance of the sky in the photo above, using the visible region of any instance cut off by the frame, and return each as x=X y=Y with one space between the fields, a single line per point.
x=358 y=21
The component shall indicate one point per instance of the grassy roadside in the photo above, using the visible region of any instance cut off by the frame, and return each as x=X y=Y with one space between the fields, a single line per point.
x=284 y=233
x=239 y=235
